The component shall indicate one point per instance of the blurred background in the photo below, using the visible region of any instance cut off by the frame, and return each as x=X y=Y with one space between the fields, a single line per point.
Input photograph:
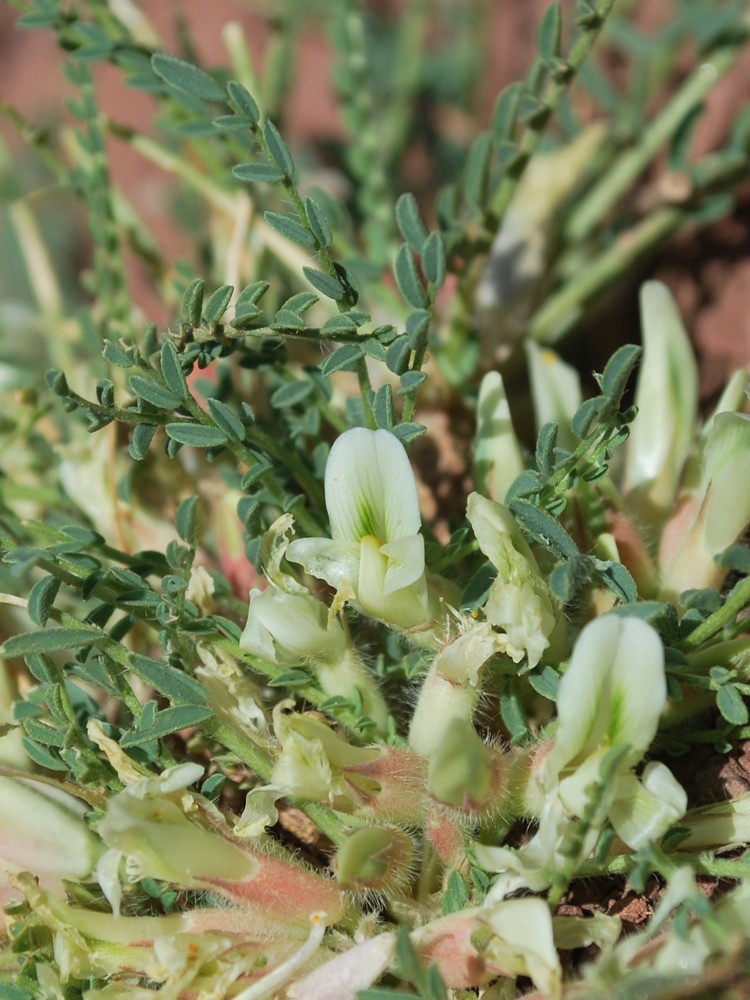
x=462 y=53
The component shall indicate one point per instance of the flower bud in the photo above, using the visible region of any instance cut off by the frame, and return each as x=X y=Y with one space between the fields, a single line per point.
x=466 y=774
x=721 y=509
x=451 y=688
x=555 y=391
x=44 y=834
x=374 y=857
x=519 y=602
x=382 y=781
x=497 y=453
x=161 y=842
x=661 y=436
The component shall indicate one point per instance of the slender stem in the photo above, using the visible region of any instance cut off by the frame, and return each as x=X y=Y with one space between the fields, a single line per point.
x=455 y=357
x=564 y=308
x=738 y=599
x=630 y=165
x=702 y=864
x=96 y=799
x=718 y=652
x=552 y=98
x=365 y=390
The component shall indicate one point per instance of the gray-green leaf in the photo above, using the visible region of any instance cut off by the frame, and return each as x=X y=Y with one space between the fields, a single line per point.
x=197 y=435
x=186 y=78
x=153 y=393
x=290 y=229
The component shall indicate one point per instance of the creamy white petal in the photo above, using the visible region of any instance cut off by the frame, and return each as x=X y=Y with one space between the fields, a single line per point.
x=370 y=487
x=555 y=390
x=524 y=943
x=645 y=809
x=613 y=692
x=405 y=562
x=406 y=607
x=497 y=453
x=662 y=434
x=336 y=562
x=297 y=625
x=495 y=527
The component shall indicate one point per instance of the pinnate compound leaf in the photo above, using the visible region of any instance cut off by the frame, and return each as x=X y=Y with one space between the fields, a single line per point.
x=186 y=78
x=290 y=229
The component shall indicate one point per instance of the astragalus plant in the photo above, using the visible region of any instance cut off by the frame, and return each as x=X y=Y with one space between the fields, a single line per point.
x=478 y=655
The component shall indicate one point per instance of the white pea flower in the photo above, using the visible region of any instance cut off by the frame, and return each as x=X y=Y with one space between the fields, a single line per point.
x=375 y=558
x=519 y=601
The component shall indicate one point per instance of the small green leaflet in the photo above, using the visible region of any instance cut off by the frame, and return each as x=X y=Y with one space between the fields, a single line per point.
x=227 y=421
x=291 y=394
x=242 y=101
x=170 y=720
x=153 y=393
x=185 y=520
x=186 y=78
x=544 y=528
x=290 y=229
x=171 y=368
x=318 y=223
x=41 y=598
x=258 y=173
x=172 y=683
x=50 y=640
x=344 y=359
x=197 y=435
x=217 y=304
x=410 y=223
x=278 y=149
x=330 y=287
x=407 y=277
